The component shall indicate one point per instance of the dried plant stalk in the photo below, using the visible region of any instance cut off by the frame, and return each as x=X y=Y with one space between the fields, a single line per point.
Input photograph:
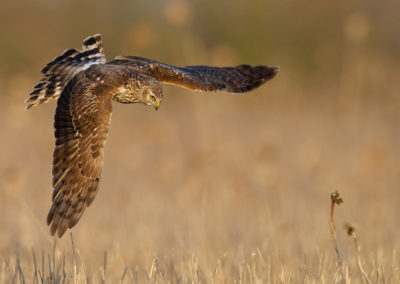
x=351 y=231
x=336 y=199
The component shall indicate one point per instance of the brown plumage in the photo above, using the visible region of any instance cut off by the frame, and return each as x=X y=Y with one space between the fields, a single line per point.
x=85 y=84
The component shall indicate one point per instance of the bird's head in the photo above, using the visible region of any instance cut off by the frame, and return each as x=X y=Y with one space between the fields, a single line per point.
x=140 y=88
x=151 y=94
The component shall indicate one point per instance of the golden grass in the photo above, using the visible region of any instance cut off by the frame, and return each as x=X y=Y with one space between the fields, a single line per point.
x=63 y=265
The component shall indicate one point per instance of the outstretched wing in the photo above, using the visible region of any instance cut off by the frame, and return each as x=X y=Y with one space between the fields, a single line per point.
x=82 y=119
x=239 y=79
x=63 y=68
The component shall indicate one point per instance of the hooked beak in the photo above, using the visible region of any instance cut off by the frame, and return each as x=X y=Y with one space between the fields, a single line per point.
x=157 y=105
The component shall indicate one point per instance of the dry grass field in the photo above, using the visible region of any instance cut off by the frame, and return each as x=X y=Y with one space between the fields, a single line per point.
x=216 y=188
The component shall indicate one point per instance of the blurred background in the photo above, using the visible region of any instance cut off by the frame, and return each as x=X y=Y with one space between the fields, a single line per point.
x=214 y=174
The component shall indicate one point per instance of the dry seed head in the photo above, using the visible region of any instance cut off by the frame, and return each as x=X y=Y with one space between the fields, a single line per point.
x=350 y=229
x=335 y=198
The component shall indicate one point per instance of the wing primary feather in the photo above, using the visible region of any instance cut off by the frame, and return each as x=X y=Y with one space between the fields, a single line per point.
x=81 y=124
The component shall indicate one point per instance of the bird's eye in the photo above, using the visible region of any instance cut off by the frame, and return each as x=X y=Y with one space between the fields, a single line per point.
x=153 y=98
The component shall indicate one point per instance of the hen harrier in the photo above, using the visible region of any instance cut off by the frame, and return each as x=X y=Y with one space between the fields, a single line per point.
x=85 y=84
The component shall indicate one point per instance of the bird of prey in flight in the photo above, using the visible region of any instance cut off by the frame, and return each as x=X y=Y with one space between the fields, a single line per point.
x=84 y=83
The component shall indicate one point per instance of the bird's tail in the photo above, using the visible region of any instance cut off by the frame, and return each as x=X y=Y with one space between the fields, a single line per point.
x=61 y=69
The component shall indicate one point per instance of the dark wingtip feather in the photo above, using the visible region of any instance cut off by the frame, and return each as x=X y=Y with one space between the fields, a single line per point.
x=273 y=71
x=264 y=72
x=50 y=216
x=268 y=73
x=245 y=78
x=61 y=229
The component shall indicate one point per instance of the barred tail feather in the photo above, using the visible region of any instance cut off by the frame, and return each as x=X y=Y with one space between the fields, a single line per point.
x=47 y=90
x=61 y=69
